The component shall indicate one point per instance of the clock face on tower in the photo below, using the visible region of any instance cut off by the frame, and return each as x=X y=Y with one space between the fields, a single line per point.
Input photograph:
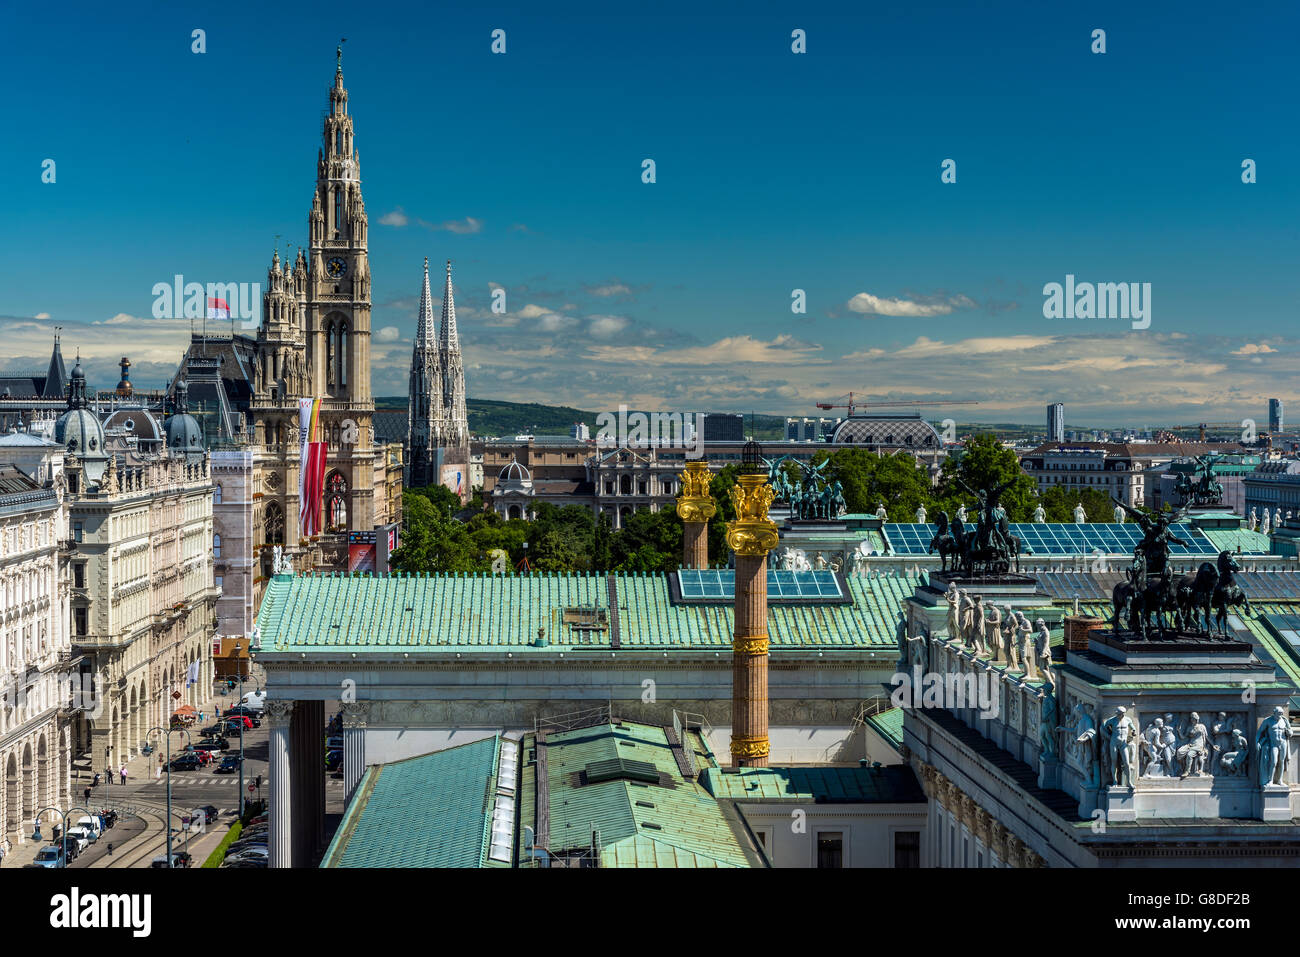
x=336 y=267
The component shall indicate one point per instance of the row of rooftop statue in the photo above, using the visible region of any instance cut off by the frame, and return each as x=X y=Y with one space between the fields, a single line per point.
x=810 y=496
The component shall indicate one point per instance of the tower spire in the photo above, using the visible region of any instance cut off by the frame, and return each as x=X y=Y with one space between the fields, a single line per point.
x=447 y=339
x=424 y=333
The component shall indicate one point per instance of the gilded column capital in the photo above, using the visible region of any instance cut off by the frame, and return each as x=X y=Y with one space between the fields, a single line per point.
x=752 y=533
x=749 y=747
x=1015 y=851
x=695 y=504
x=983 y=821
x=967 y=812
x=998 y=840
x=750 y=645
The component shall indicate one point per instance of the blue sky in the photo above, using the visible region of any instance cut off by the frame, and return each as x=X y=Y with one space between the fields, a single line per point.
x=775 y=171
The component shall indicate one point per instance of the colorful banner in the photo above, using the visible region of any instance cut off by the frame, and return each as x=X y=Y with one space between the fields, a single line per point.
x=453 y=477
x=311 y=472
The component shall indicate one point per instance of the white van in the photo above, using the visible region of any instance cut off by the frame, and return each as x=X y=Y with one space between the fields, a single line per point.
x=254 y=699
x=91 y=825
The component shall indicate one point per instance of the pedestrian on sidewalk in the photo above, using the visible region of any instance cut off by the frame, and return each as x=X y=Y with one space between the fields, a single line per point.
x=123 y=772
x=158 y=773
x=87 y=795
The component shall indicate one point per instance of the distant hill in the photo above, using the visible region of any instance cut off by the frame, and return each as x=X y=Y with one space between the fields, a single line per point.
x=491 y=417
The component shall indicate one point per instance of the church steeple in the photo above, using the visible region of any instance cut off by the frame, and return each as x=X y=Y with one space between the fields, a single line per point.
x=455 y=428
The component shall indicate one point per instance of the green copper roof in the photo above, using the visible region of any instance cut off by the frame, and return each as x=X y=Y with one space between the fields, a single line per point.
x=429 y=811
x=884 y=785
x=469 y=612
x=1230 y=539
x=675 y=823
x=889 y=725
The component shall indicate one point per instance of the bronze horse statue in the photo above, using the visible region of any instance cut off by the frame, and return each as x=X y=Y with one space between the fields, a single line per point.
x=1194 y=594
x=1228 y=594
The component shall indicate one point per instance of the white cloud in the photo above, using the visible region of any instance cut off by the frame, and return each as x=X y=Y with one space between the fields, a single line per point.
x=462 y=226
x=613 y=288
x=869 y=305
x=604 y=326
x=1249 y=349
x=41 y=315
x=388 y=334
x=532 y=311
x=395 y=218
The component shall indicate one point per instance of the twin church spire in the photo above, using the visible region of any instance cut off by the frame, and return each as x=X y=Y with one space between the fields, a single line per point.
x=438 y=431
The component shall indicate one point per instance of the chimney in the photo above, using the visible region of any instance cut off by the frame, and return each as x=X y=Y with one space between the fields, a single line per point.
x=751 y=536
x=695 y=507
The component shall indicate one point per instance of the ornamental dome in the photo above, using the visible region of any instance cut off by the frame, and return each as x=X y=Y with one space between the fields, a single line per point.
x=78 y=429
x=183 y=432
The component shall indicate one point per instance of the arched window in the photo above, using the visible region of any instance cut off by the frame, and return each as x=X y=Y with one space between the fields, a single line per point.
x=216 y=545
x=216 y=495
x=343 y=353
x=336 y=500
x=338 y=207
x=338 y=140
x=273 y=525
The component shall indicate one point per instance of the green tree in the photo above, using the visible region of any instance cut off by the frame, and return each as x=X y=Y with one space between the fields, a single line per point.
x=984 y=463
x=1058 y=502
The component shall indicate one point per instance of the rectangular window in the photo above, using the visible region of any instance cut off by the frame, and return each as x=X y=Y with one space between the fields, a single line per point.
x=830 y=848
x=77 y=531
x=79 y=575
x=907 y=848
x=79 y=618
x=217 y=580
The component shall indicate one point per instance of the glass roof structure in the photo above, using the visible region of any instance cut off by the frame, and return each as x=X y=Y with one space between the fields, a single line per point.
x=719 y=585
x=1059 y=538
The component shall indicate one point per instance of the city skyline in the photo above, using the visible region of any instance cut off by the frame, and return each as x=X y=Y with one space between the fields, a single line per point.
x=677 y=294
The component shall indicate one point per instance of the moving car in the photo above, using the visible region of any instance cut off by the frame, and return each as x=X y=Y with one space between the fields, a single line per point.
x=209 y=813
x=229 y=765
x=51 y=856
x=212 y=744
x=185 y=762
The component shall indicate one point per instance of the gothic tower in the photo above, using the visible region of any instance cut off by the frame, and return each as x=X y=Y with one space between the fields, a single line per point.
x=426 y=390
x=337 y=320
x=455 y=430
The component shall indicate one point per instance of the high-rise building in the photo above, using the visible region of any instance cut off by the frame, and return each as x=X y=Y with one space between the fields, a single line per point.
x=1056 y=422
x=438 y=432
x=1275 y=415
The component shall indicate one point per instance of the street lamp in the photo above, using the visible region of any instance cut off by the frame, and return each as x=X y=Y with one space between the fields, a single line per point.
x=63 y=826
x=108 y=769
x=167 y=734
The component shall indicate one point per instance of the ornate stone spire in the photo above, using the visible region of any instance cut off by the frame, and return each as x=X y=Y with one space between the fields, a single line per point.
x=447 y=339
x=424 y=326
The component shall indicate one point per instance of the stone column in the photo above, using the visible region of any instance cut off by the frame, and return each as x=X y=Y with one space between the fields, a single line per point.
x=695 y=507
x=278 y=715
x=355 y=716
x=751 y=536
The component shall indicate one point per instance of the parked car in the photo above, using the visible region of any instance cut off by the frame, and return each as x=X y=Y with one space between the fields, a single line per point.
x=333 y=760
x=249 y=854
x=254 y=699
x=51 y=855
x=242 y=862
x=209 y=813
x=259 y=819
x=179 y=859
x=229 y=765
x=241 y=711
x=185 y=762
x=214 y=730
x=78 y=837
x=248 y=720
x=92 y=824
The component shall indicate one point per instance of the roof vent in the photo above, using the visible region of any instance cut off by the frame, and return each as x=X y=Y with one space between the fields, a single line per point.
x=615 y=769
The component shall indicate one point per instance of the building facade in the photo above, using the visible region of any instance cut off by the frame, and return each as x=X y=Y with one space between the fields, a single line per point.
x=38 y=672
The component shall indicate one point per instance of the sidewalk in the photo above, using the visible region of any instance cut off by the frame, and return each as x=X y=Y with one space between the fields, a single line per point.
x=140 y=771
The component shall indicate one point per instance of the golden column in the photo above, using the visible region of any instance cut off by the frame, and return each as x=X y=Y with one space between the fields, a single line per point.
x=695 y=507
x=751 y=536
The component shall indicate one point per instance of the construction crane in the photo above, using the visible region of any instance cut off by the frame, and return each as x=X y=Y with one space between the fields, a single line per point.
x=838 y=403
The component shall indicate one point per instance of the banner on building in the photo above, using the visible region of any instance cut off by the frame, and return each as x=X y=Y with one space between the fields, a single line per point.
x=361 y=552
x=455 y=478
x=311 y=473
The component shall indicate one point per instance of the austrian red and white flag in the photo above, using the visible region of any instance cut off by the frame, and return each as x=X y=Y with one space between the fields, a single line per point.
x=218 y=308
x=311 y=472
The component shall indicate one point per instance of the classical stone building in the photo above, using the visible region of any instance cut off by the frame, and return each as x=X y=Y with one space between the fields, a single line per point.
x=438 y=430
x=37 y=668
x=1110 y=751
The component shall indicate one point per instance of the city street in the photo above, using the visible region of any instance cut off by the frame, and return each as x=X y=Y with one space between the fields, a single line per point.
x=138 y=835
